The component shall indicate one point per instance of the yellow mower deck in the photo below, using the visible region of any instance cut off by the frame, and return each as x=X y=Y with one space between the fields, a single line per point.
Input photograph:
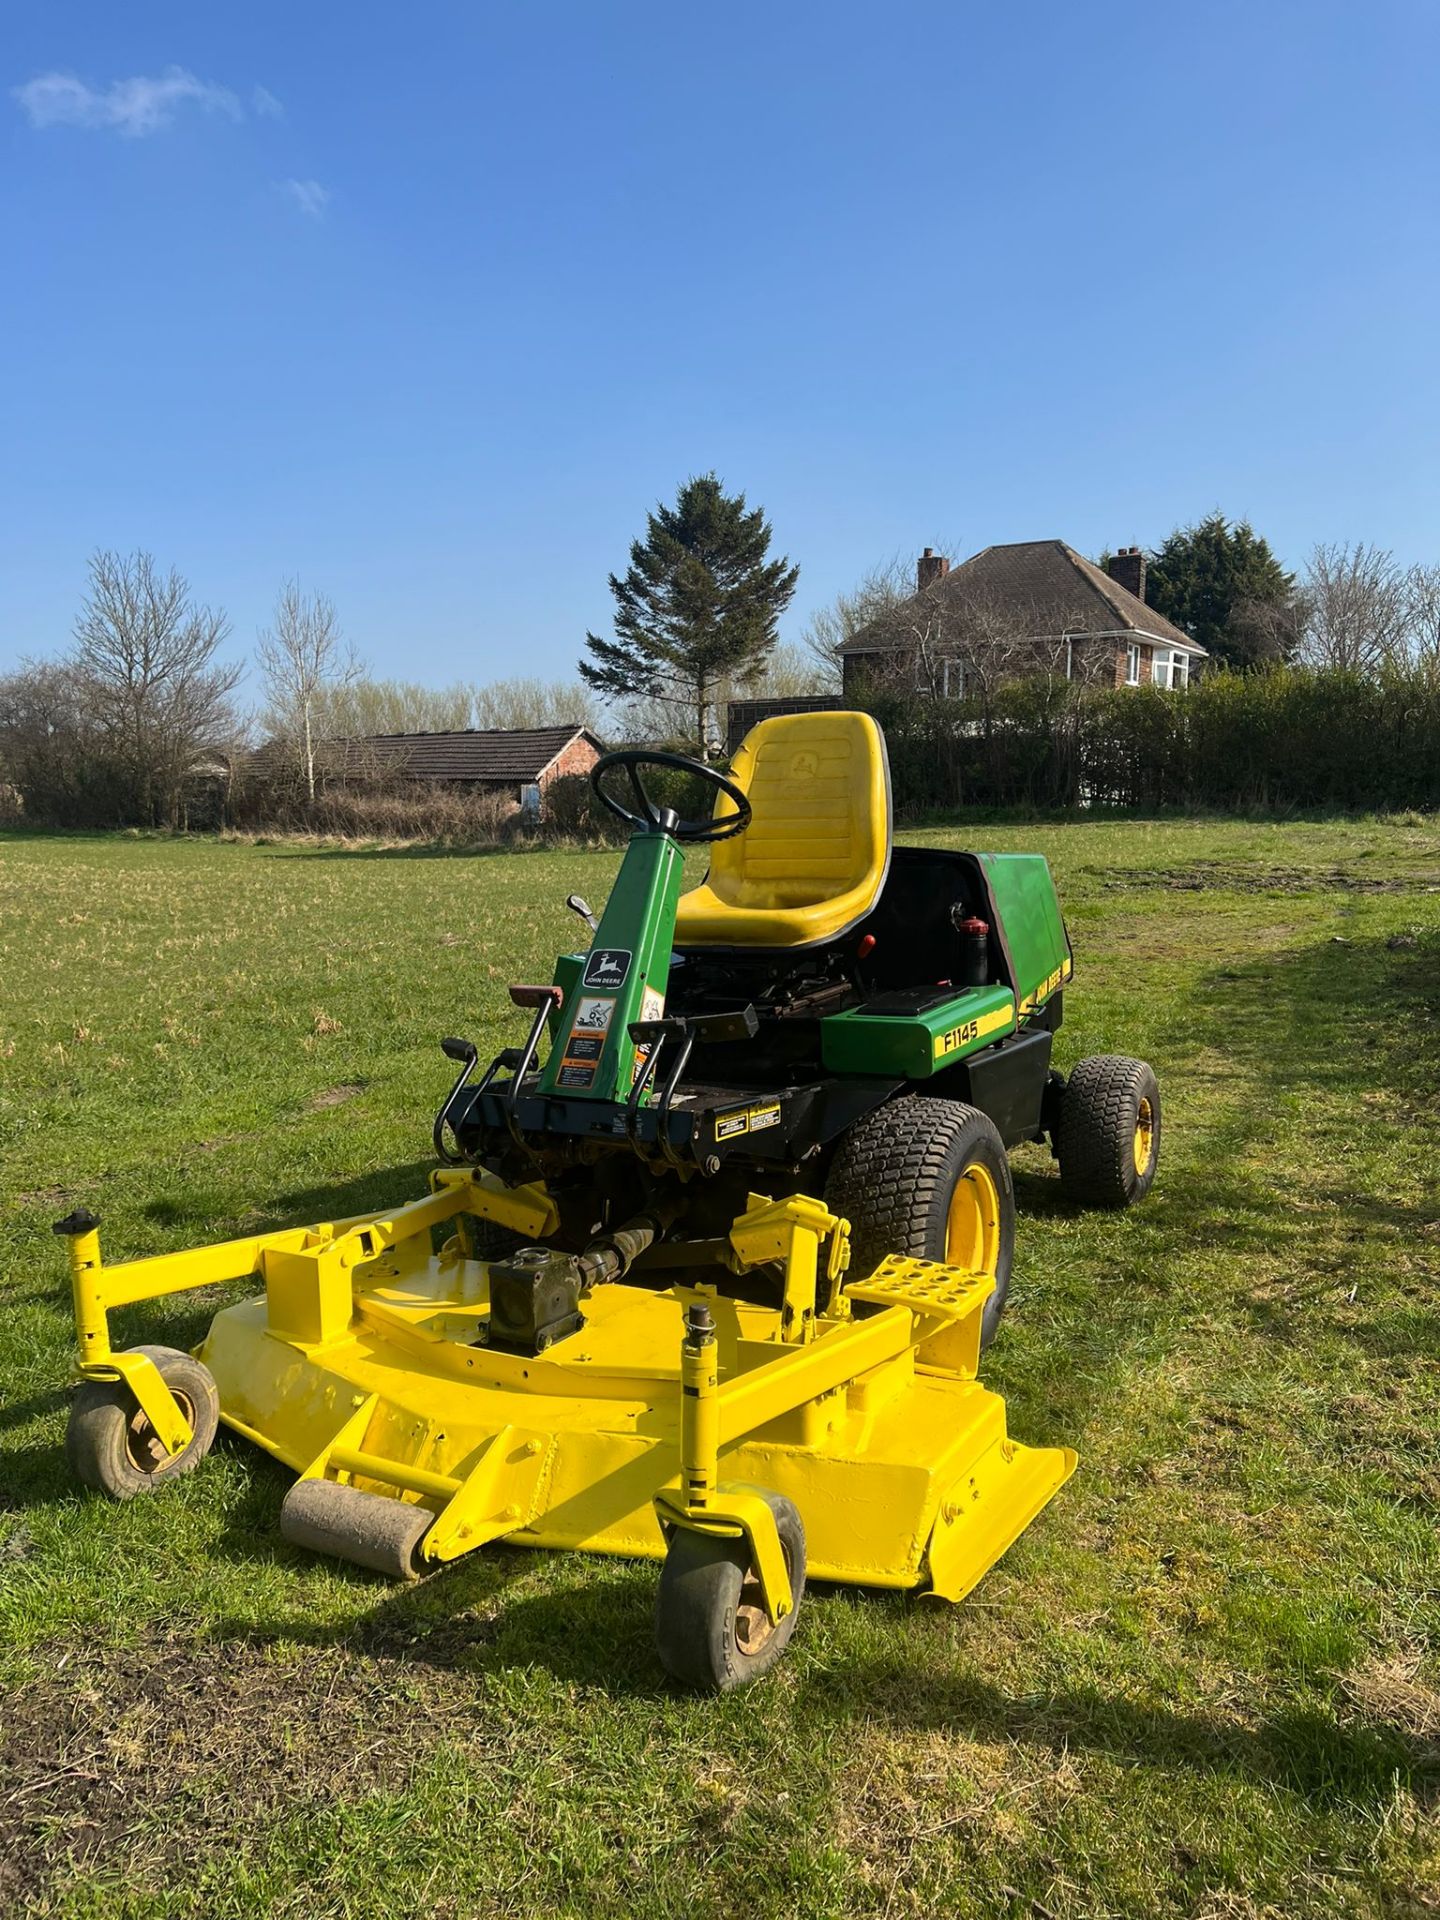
x=363 y=1364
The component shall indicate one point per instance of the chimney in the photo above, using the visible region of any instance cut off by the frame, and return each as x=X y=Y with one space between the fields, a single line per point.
x=1127 y=569
x=933 y=566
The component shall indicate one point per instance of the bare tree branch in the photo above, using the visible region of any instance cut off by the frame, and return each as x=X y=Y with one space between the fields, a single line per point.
x=1353 y=608
x=145 y=657
x=1422 y=616
x=301 y=656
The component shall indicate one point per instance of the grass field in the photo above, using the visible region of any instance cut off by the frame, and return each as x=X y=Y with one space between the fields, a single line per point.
x=1204 y=1684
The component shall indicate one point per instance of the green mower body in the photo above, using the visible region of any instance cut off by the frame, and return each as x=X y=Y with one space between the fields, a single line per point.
x=739 y=1070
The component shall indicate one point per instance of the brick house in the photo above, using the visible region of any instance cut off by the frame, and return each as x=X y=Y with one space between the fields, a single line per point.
x=515 y=763
x=1033 y=606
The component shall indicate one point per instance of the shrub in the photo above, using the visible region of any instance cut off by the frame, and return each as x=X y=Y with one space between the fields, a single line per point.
x=1285 y=740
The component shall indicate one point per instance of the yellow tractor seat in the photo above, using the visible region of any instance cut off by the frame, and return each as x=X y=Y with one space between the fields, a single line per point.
x=815 y=855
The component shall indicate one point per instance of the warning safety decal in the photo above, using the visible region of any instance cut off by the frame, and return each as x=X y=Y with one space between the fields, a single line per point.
x=728 y=1126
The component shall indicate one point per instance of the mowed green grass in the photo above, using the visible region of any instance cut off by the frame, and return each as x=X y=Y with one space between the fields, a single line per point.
x=1204 y=1684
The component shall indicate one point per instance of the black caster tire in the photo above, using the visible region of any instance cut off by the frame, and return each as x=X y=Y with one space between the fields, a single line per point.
x=711 y=1628
x=112 y=1447
x=1107 y=1139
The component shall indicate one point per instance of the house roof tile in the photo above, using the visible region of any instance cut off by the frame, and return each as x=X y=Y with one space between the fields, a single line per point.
x=1060 y=591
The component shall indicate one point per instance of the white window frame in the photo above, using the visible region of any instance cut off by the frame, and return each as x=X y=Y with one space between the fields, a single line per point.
x=1170 y=668
x=952 y=678
x=1132 y=664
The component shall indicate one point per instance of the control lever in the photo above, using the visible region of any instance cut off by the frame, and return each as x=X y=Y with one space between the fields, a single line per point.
x=577 y=904
x=465 y=1054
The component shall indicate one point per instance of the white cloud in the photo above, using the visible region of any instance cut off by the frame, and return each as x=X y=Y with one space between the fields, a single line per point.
x=309 y=196
x=264 y=104
x=130 y=107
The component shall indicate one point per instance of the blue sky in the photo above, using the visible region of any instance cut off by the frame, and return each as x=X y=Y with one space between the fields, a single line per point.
x=430 y=304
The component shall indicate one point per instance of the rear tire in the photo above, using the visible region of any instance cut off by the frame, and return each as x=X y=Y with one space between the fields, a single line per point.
x=929 y=1178
x=112 y=1447
x=711 y=1628
x=1108 y=1136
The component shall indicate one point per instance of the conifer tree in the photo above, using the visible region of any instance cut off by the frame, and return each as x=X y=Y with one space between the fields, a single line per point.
x=1220 y=583
x=698 y=605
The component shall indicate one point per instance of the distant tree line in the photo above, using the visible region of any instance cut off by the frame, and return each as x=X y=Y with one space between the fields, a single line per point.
x=138 y=722
x=113 y=731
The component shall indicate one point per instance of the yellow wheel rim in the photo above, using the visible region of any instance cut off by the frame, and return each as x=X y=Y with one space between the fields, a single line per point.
x=1144 y=1138
x=972 y=1224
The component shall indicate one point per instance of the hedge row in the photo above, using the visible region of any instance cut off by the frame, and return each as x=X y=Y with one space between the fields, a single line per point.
x=1282 y=741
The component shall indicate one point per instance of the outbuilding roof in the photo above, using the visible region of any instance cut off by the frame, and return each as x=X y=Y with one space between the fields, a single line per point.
x=485 y=754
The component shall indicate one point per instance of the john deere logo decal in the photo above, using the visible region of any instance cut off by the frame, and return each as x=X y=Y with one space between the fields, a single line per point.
x=607 y=967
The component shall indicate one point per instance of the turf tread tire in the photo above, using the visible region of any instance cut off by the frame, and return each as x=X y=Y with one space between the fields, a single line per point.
x=892 y=1177
x=101 y=1435
x=1095 y=1136
x=700 y=1586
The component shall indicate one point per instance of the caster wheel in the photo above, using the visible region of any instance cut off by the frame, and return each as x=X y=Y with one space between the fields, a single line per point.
x=111 y=1446
x=711 y=1627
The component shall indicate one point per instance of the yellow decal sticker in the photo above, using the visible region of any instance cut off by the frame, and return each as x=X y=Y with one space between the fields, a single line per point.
x=965 y=1035
x=1046 y=987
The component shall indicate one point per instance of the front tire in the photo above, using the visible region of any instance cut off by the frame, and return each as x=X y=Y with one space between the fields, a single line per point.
x=711 y=1628
x=112 y=1447
x=1108 y=1136
x=929 y=1178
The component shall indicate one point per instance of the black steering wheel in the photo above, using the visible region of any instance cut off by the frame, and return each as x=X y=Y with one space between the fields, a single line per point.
x=665 y=819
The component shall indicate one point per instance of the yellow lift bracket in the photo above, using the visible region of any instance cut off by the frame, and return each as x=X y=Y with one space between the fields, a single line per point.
x=307 y=1271
x=792 y=1230
x=528 y=1210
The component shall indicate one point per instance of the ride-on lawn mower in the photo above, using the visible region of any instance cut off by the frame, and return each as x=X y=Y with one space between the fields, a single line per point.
x=719 y=1267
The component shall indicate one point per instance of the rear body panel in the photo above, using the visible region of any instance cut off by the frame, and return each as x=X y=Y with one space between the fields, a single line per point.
x=917 y=1033
x=1025 y=910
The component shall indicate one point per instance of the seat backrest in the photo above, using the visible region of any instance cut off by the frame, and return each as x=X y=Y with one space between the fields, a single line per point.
x=820 y=787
